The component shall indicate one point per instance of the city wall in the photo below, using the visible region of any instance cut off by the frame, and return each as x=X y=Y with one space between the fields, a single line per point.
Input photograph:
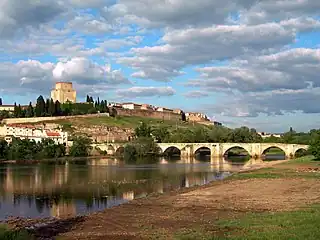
x=149 y=114
x=42 y=119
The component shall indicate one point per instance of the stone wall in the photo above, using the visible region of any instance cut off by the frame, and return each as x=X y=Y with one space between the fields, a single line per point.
x=101 y=134
x=149 y=114
x=42 y=119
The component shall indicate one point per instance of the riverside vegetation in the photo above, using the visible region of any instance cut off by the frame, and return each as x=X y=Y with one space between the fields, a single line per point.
x=25 y=149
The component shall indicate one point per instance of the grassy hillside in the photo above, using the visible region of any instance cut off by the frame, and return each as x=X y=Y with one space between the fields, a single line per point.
x=120 y=121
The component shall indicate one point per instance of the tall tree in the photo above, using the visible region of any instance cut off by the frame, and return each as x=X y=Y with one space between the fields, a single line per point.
x=0 y=101
x=91 y=100
x=47 y=105
x=57 y=108
x=51 y=109
x=40 y=107
x=15 y=110
x=88 y=99
x=29 y=112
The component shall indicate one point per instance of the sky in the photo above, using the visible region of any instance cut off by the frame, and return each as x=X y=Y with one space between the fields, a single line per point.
x=241 y=62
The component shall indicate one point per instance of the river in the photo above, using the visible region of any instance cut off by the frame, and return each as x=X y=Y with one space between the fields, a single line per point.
x=89 y=185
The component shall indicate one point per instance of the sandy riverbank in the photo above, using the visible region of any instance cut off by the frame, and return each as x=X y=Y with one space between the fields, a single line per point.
x=164 y=215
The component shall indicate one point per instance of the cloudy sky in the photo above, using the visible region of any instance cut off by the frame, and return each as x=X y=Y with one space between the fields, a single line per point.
x=242 y=62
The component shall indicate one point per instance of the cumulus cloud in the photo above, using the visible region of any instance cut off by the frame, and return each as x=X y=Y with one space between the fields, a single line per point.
x=196 y=94
x=292 y=69
x=35 y=76
x=16 y=15
x=135 y=92
x=191 y=46
x=90 y=24
x=276 y=102
x=271 y=10
x=85 y=71
x=175 y=13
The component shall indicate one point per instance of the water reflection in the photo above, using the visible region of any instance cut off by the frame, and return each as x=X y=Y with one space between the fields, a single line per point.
x=73 y=188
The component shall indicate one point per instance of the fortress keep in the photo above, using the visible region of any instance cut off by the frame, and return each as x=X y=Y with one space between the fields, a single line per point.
x=64 y=92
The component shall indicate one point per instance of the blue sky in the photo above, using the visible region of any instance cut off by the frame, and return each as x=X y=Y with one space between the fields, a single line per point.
x=242 y=62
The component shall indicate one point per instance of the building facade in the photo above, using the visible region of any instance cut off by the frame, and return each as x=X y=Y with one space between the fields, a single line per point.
x=64 y=92
x=32 y=133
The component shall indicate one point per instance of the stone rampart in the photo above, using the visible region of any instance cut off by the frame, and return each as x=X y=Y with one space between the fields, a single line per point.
x=149 y=114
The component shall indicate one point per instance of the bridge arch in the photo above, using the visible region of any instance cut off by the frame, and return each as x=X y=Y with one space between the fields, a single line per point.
x=204 y=150
x=275 y=146
x=119 y=151
x=298 y=150
x=172 y=151
x=236 y=146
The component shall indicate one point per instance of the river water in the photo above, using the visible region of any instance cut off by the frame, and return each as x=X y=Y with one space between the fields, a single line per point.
x=85 y=186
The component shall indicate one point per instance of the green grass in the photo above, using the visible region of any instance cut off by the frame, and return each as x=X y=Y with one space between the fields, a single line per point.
x=6 y=234
x=300 y=224
x=293 y=225
x=120 y=121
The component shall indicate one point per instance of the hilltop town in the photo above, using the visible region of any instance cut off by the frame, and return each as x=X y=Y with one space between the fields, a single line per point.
x=39 y=127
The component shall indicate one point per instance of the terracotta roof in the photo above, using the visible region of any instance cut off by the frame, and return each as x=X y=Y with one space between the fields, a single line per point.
x=21 y=125
x=52 y=134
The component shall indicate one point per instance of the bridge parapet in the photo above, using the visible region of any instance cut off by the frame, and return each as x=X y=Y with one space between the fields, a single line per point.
x=216 y=149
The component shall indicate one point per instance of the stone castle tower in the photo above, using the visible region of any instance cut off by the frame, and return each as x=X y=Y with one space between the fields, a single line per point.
x=64 y=92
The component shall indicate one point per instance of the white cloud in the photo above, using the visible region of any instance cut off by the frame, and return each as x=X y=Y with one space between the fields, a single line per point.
x=135 y=92
x=37 y=77
x=196 y=94
x=90 y=24
x=191 y=46
x=17 y=15
x=292 y=69
x=85 y=71
x=271 y=10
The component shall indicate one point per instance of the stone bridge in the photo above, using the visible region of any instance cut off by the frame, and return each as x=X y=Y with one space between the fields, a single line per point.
x=216 y=149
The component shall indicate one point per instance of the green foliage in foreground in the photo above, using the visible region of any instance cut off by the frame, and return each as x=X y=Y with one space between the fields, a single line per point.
x=25 y=149
x=314 y=147
x=300 y=224
x=81 y=147
x=294 y=225
x=6 y=234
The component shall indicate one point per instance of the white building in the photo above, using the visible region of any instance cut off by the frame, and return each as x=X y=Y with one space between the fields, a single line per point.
x=32 y=133
x=131 y=106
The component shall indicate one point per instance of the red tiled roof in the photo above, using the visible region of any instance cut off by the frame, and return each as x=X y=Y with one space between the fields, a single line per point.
x=22 y=125
x=52 y=134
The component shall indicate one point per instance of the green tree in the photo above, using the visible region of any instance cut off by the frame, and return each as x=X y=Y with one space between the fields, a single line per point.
x=57 y=108
x=47 y=106
x=183 y=116
x=161 y=134
x=40 y=107
x=81 y=147
x=30 y=111
x=51 y=109
x=88 y=99
x=113 y=112
x=0 y=101
x=314 y=147
x=143 y=130
x=3 y=149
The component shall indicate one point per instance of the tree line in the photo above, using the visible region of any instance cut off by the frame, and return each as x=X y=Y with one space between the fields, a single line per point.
x=26 y=149
x=48 y=108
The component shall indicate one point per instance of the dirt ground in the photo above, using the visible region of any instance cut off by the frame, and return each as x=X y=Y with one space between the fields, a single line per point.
x=167 y=214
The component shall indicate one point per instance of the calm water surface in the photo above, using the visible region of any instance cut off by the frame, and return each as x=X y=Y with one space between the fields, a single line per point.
x=78 y=188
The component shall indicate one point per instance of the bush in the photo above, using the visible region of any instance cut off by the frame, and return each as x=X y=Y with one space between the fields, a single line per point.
x=141 y=147
x=81 y=147
x=314 y=147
